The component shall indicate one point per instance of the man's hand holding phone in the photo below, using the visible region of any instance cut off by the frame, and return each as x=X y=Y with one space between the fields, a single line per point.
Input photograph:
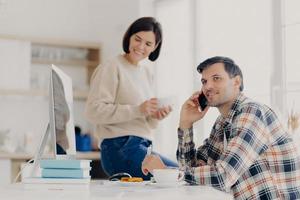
x=191 y=111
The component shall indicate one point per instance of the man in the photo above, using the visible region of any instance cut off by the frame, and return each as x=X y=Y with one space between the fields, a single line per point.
x=248 y=152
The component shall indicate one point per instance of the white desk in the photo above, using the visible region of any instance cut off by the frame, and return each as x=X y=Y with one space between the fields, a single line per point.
x=10 y=163
x=112 y=190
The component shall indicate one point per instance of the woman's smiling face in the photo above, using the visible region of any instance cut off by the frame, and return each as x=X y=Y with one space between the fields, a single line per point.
x=141 y=45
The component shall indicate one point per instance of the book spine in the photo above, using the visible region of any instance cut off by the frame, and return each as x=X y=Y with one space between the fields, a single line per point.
x=64 y=164
x=61 y=173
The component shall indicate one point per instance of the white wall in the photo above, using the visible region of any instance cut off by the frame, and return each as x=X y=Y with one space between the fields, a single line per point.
x=174 y=67
x=8 y=51
x=241 y=30
x=89 y=20
x=103 y=21
x=238 y=29
x=291 y=28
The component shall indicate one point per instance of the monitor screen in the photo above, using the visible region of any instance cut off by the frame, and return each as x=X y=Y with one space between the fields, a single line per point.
x=61 y=113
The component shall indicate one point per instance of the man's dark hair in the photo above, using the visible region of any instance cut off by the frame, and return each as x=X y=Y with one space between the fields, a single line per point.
x=144 y=24
x=231 y=68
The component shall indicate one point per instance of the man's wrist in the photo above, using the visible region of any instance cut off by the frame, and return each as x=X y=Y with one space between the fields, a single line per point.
x=183 y=132
x=185 y=125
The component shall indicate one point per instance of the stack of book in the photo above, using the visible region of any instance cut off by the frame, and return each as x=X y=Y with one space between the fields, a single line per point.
x=62 y=171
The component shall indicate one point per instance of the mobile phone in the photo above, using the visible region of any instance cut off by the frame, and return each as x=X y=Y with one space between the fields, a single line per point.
x=202 y=101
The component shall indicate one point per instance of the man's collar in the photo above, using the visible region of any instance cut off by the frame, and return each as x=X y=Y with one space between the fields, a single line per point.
x=240 y=98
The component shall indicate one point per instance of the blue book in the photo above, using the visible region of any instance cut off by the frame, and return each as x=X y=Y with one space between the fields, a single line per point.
x=65 y=164
x=65 y=173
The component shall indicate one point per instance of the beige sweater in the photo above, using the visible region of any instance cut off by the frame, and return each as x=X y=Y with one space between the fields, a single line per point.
x=117 y=90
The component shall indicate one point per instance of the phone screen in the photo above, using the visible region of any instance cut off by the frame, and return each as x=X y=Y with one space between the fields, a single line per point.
x=202 y=101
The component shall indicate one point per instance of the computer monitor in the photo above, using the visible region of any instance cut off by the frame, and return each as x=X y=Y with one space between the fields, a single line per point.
x=61 y=125
x=61 y=114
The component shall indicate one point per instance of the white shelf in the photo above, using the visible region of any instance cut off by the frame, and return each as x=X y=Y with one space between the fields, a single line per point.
x=78 y=94
x=91 y=155
x=75 y=63
x=54 y=42
x=54 y=47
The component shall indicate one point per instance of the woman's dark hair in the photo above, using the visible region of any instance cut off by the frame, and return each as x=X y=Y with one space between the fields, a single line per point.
x=144 y=24
x=231 y=68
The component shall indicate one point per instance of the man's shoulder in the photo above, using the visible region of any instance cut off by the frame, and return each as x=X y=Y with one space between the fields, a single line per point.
x=248 y=102
x=251 y=106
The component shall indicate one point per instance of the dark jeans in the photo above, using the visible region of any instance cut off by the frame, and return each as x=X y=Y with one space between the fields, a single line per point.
x=125 y=154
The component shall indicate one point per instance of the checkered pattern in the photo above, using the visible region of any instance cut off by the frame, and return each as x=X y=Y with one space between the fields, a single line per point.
x=260 y=160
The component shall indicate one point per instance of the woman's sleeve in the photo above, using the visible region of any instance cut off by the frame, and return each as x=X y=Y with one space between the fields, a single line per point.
x=101 y=107
x=152 y=122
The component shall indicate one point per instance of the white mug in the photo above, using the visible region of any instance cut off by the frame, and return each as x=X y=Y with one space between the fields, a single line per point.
x=168 y=175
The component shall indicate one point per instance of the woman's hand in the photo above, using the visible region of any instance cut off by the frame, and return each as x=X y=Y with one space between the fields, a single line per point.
x=162 y=113
x=149 y=107
x=190 y=112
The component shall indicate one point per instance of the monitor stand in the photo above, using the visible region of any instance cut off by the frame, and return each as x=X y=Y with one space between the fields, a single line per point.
x=40 y=151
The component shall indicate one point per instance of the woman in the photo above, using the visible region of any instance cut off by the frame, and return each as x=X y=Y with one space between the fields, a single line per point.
x=121 y=103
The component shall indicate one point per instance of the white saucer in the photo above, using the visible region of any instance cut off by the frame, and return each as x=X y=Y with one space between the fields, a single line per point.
x=168 y=184
x=130 y=184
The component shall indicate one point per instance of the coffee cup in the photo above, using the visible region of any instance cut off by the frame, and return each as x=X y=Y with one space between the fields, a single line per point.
x=168 y=175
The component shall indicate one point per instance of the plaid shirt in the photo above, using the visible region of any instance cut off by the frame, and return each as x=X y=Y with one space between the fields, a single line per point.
x=247 y=153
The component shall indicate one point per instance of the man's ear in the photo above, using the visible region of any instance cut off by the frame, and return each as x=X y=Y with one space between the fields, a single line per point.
x=237 y=81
